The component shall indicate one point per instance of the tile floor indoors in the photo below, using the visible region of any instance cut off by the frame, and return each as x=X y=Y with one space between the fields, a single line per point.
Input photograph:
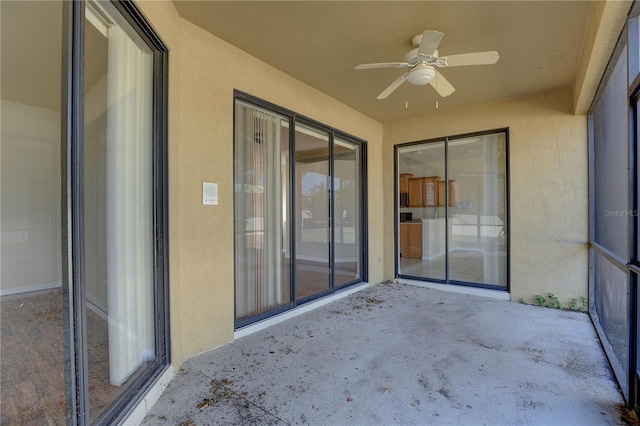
x=32 y=390
x=464 y=266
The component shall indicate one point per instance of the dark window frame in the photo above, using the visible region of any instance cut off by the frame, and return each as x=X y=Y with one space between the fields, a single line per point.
x=74 y=298
x=396 y=208
x=362 y=238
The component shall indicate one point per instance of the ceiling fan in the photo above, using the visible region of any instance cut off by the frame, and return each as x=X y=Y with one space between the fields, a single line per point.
x=422 y=61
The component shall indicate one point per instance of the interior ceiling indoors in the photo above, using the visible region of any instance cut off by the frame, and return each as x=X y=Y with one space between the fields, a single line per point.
x=320 y=42
x=434 y=152
x=30 y=70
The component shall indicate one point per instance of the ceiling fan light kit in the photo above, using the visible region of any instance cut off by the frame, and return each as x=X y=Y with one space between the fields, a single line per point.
x=421 y=64
x=421 y=75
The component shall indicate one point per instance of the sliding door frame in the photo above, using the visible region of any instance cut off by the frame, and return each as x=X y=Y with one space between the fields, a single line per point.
x=362 y=238
x=396 y=209
x=72 y=190
x=72 y=154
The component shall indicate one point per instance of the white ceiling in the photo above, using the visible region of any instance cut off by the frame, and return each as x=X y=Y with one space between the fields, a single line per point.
x=319 y=43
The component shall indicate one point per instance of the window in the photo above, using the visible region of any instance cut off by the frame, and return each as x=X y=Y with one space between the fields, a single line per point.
x=118 y=203
x=298 y=210
x=85 y=259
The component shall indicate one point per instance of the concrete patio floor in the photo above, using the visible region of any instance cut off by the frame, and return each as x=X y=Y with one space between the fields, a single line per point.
x=401 y=354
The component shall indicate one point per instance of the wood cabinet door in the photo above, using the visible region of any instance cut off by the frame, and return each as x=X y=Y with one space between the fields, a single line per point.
x=441 y=194
x=415 y=241
x=404 y=182
x=405 y=240
x=411 y=240
x=416 y=192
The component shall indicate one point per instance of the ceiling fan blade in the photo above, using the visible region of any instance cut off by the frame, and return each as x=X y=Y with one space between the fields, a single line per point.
x=383 y=65
x=442 y=85
x=393 y=86
x=477 y=58
x=430 y=41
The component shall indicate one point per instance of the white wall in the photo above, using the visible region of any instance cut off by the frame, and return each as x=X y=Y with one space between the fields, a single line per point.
x=30 y=198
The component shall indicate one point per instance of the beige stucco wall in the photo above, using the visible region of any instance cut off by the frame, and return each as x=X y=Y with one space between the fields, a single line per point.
x=606 y=20
x=204 y=71
x=548 y=171
x=548 y=186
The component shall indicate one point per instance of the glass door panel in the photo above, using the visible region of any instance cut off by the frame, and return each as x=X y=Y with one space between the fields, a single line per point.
x=261 y=206
x=346 y=211
x=421 y=222
x=32 y=356
x=452 y=204
x=118 y=205
x=312 y=265
x=293 y=172
x=476 y=194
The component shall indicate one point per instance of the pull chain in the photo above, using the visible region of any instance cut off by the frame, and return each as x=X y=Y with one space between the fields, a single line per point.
x=406 y=101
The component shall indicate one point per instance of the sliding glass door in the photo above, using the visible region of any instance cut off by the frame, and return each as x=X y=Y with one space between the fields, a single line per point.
x=298 y=210
x=347 y=171
x=312 y=185
x=477 y=210
x=422 y=228
x=451 y=209
x=84 y=245
x=118 y=205
x=261 y=215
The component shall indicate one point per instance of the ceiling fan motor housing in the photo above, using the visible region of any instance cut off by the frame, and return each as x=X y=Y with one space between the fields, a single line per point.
x=421 y=75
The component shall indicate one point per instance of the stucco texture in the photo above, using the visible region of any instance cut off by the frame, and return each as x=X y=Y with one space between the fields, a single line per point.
x=548 y=186
x=548 y=177
x=204 y=71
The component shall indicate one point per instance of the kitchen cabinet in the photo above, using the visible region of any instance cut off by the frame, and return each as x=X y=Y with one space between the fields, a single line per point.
x=452 y=193
x=423 y=191
x=404 y=182
x=411 y=240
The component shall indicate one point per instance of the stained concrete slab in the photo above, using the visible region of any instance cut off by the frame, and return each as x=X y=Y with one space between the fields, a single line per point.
x=397 y=354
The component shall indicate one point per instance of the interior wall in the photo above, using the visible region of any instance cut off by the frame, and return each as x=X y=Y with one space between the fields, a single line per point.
x=209 y=69
x=548 y=186
x=30 y=217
